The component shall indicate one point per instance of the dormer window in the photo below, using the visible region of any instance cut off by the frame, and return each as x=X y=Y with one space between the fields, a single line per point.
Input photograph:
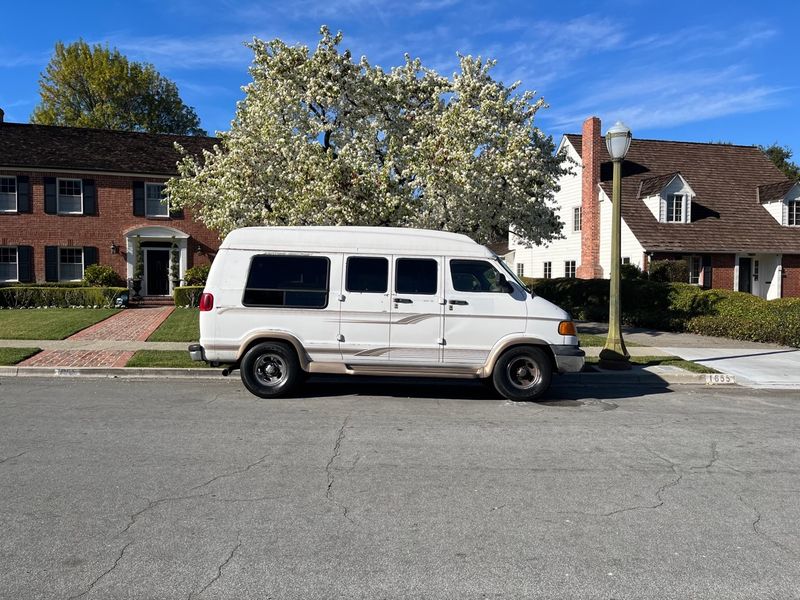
x=675 y=208
x=793 y=213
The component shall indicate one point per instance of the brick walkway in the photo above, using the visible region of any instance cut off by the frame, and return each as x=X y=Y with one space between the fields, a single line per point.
x=133 y=324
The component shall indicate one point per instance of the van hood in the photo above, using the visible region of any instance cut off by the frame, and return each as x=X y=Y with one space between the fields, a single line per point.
x=544 y=309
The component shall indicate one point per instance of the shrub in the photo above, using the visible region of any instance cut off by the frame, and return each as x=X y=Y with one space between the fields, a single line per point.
x=187 y=295
x=62 y=297
x=630 y=271
x=101 y=276
x=196 y=275
x=669 y=271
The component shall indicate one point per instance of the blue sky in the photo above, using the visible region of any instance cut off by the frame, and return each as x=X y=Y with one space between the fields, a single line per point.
x=699 y=70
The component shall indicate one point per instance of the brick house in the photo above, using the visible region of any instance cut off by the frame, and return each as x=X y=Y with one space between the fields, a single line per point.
x=725 y=209
x=71 y=197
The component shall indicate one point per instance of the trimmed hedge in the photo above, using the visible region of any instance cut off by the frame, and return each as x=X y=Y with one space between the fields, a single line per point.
x=188 y=295
x=61 y=297
x=196 y=275
x=679 y=307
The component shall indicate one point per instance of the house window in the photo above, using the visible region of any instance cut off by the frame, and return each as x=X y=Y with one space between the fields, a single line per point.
x=675 y=208
x=155 y=200
x=8 y=194
x=626 y=260
x=695 y=267
x=548 y=270
x=70 y=264
x=9 y=270
x=793 y=213
x=70 y=196
x=520 y=269
x=576 y=219
x=569 y=269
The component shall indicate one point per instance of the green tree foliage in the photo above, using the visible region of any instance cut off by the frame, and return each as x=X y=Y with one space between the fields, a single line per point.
x=321 y=139
x=781 y=156
x=93 y=86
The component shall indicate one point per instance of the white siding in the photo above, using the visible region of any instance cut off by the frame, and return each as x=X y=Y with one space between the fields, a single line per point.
x=629 y=245
x=653 y=203
x=558 y=251
x=775 y=209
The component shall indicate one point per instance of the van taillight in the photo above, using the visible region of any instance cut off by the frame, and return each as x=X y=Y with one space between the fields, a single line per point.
x=206 y=301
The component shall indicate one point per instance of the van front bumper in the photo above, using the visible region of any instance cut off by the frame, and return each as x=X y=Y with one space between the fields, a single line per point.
x=569 y=359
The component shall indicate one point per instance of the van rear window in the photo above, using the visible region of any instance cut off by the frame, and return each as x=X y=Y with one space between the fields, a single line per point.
x=291 y=281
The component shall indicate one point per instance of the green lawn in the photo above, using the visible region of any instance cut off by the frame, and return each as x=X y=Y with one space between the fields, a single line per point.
x=11 y=356
x=48 y=323
x=591 y=340
x=183 y=325
x=165 y=358
x=652 y=361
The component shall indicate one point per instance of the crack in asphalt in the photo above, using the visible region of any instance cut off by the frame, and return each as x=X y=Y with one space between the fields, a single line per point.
x=232 y=473
x=219 y=568
x=757 y=530
x=104 y=573
x=329 y=494
x=10 y=457
x=713 y=459
x=151 y=504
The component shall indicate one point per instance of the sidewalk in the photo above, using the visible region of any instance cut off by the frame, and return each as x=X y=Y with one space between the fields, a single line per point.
x=109 y=343
x=754 y=364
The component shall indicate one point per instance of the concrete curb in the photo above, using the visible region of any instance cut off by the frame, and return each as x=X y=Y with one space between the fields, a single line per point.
x=650 y=376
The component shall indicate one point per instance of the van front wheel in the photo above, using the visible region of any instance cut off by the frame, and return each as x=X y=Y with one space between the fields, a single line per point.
x=270 y=370
x=522 y=373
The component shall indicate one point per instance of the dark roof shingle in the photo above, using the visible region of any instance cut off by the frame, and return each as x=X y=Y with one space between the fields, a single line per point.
x=774 y=191
x=84 y=149
x=726 y=213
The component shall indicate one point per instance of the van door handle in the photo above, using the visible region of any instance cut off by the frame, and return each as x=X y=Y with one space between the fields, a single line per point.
x=459 y=302
x=403 y=300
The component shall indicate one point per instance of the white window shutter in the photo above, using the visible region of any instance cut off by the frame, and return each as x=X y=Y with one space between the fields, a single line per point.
x=785 y=209
x=662 y=209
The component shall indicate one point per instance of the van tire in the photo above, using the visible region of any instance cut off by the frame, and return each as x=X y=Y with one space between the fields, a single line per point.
x=522 y=373
x=270 y=370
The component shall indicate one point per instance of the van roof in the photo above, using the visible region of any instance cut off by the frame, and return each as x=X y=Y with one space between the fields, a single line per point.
x=373 y=240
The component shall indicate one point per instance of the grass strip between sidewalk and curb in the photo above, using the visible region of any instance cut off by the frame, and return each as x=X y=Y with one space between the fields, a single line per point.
x=659 y=361
x=182 y=325
x=49 y=323
x=165 y=359
x=591 y=340
x=12 y=356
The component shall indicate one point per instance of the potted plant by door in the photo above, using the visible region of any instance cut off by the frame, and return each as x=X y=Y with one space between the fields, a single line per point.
x=174 y=265
x=138 y=268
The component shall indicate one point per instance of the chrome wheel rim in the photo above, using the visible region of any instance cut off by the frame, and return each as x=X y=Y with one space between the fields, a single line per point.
x=523 y=373
x=270 y=370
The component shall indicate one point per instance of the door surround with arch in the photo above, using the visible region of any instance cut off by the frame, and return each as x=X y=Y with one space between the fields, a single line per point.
x=156 y=242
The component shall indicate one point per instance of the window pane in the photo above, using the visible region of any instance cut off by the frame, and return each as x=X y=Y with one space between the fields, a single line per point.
x=69 y=196
x=70 y=265
x=8 y=201
x=8 y=185
x=298 y=281
x=367 y=274
x=155 y=200
x=416 y=276
x=474 y=276
x=8 y=264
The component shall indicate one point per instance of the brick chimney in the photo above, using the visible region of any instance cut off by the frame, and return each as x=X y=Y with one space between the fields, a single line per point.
x=590 y=202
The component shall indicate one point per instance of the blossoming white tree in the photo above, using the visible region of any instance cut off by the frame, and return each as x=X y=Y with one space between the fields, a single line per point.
x=322 y=140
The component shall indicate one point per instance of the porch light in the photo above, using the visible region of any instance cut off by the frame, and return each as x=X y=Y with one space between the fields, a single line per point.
x=618 y=141
x=114 y=248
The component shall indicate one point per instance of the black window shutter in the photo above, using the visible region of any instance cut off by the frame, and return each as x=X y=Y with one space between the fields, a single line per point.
x=25 y=263
x=89 y=256
x=23 y=194
x=707 y=282
x=50 y=199
x=138 y=198
x=51 y=263
x=176 y=213
x=89 y=197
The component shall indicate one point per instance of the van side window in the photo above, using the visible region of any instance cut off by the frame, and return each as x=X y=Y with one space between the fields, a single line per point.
x=416 y=276
x=369 y=274
x=475 y=276
x=293 y=281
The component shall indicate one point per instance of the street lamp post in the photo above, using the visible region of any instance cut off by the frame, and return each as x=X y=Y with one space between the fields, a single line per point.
x=614 y=355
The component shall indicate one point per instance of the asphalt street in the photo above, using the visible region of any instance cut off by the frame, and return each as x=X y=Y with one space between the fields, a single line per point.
x=174 y=489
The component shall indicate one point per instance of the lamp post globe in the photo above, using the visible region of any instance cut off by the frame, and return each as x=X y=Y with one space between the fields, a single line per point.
x=614 y=355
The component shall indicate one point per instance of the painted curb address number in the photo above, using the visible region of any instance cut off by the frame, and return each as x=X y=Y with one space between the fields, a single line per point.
x=720 y=379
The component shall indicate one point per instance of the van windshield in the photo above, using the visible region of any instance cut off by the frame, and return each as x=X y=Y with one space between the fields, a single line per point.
x=513 y=275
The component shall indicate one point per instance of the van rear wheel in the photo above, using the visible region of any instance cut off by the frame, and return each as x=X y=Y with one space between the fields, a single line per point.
x=270 y=370
x=522 y=373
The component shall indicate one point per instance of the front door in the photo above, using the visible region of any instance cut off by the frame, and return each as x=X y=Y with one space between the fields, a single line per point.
x=415 y=334
x=745 y=274
x=479 y=312
x=156 y=270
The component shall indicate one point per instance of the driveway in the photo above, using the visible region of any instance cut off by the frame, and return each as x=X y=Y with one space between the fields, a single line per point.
x=137 y=489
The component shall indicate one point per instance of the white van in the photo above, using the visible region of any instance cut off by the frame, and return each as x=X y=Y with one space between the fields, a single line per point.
x=282 y=302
